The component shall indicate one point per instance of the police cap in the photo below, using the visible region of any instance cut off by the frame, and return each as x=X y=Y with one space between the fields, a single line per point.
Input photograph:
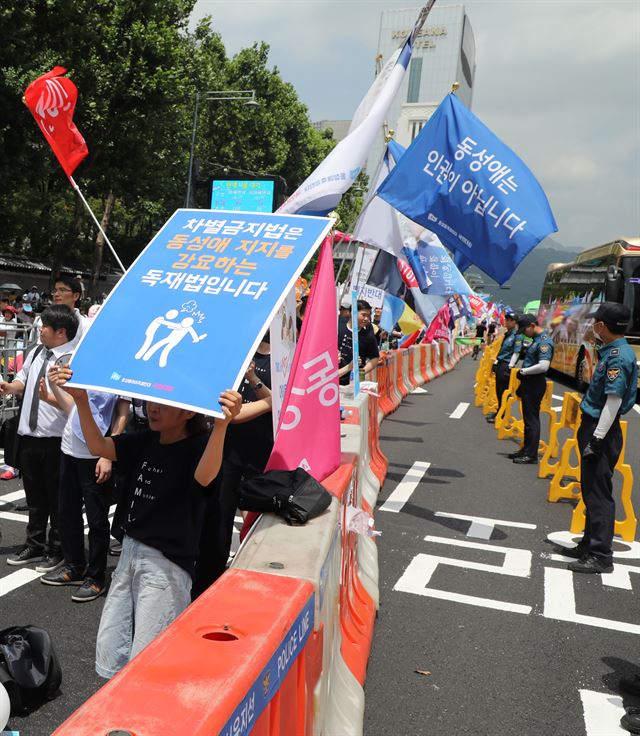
x=526 y=320
x=615 y=316
x=511 y=315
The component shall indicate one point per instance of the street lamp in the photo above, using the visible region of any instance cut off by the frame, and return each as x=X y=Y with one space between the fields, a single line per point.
x=247 y=96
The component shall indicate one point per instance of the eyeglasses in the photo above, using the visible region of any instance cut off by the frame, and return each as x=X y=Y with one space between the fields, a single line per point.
x=62 y=291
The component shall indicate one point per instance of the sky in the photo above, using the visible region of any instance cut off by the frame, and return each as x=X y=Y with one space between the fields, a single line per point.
x=558 y=81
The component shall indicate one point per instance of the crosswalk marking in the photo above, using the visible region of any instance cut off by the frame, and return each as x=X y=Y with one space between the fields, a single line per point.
x=602 y=713
x=18 y=578
x=459 y=410
x=403 y=491
x=13 y=496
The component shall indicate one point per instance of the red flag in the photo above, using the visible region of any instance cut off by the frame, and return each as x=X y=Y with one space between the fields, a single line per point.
x=439 y=328
x=52 y=100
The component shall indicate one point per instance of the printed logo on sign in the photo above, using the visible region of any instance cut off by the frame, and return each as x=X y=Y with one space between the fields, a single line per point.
x=115 y=376
x=266 y=682
x=432 y=218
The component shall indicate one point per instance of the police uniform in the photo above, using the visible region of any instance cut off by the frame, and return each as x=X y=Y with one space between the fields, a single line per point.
x=502 y=371
x=532 y=388
x=616 y=374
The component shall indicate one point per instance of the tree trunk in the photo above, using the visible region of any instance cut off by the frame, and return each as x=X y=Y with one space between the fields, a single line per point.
x=99 y=246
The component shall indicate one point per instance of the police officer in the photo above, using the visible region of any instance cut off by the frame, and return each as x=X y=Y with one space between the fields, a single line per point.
x=533 y=384
x=501 y=364
x=612 y=392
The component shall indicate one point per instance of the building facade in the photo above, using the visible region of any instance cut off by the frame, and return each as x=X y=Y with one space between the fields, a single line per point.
x=444 y=53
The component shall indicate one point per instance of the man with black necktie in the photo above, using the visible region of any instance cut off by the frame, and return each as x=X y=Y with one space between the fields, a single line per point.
x=40 y=430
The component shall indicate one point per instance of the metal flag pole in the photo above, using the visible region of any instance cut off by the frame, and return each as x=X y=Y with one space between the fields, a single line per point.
x=99 y=226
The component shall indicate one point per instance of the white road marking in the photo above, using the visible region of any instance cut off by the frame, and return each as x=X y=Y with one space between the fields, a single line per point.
x=17 y=579
x=416 y=578
x=403 y=491
x=481 y=527
x=555 y=396
x=459 y=410
x=419 y=390
x=556 y=408
x=12 y=516
x=567 y=539
x=560 y=603
x=602 y=713
x=13 y=496
x=636 y=408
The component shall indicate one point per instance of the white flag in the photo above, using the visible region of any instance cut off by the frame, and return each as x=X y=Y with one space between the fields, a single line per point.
x=322 y=190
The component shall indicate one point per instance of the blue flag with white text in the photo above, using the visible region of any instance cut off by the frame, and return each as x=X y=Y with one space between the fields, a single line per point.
x=461 y=182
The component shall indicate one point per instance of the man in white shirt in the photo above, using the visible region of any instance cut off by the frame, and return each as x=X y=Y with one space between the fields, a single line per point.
x=68 y=290
x=40 y=430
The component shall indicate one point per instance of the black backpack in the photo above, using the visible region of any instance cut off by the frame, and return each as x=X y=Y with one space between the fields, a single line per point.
x=292 y=494
x=29 y=667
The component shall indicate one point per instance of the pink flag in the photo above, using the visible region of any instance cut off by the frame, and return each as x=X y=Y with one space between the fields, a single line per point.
x=309 y=431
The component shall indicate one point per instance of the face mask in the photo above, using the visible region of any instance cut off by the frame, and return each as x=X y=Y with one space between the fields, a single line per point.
x=599 y=339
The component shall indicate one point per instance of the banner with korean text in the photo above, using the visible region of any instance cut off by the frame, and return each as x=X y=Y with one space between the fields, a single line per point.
x=459 y=180
x=184 y=322
x=309 y=432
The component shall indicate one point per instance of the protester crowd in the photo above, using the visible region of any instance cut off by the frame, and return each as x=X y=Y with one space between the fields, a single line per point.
x=173 y=475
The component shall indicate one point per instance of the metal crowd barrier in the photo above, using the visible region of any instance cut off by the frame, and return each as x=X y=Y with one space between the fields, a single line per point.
x=15 y=343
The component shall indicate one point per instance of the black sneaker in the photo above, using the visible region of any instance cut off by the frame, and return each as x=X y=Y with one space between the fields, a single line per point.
x=590 y=565
x=630 y=685
x=66 y=575
x=115 y=550
x=26 y=556
x=52 y=561
x=525 y=460
x=631 y=720
x=576 y=553
x=88 y=591
x=514 y=455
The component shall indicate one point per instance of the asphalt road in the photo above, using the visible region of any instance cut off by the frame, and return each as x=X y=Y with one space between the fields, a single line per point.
x=72 y=626
x=480 y=630
x=497 y=664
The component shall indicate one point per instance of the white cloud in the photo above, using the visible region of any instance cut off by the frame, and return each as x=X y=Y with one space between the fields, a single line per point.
x=557 y=80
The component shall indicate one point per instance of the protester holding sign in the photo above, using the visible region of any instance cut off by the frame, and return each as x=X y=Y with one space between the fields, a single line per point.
x=172 y=467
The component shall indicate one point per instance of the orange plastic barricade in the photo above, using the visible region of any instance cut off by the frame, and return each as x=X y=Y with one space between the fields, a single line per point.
x=382 y=375
x=435 y=360
x=411 y=368
x=442 y=354
x=378 y=462
x=423 y=363
x=243 y=657
x=400 y=385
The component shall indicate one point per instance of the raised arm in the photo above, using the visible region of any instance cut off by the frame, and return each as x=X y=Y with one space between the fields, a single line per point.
x=211 y=459
x=97 y=444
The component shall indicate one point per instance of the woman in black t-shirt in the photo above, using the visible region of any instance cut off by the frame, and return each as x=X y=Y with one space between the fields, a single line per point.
x=171 y=467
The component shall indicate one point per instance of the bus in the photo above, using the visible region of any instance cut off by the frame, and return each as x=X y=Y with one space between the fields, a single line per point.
x=609 y=272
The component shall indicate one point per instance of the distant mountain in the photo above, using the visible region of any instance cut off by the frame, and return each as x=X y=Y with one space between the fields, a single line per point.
x=526 y=282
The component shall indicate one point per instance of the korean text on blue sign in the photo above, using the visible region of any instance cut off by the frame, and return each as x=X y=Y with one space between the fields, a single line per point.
x=183 y=323
x=462 y=183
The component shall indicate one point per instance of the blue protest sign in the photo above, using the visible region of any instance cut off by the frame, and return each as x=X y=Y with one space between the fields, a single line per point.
x=183 y=323
x=460 y=181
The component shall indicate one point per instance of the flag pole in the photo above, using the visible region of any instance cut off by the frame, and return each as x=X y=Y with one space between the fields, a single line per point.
x=99 y=226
